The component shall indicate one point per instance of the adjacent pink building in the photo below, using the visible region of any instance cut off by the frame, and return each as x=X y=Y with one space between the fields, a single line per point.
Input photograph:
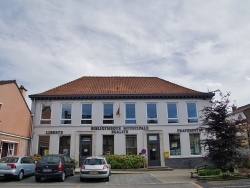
x=15 y=120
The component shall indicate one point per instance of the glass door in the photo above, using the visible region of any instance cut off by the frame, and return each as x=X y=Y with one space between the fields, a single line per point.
x=153 y=150
x=85 y=149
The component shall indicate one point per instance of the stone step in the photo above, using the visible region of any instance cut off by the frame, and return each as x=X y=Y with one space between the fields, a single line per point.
x=159 y=168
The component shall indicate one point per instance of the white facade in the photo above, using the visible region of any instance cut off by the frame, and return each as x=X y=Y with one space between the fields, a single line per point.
x=55 y=130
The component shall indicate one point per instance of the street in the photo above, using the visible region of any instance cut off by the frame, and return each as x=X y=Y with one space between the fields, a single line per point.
x=117 y=180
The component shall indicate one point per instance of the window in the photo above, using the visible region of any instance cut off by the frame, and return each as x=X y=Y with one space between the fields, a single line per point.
x=175 y=145
x=108 y=114
x=172 y=113
x=151 y=113
x=45 y=114
x=11 y=149
x=64 y=145
x=108 y=144
x=86 y=114
x=195 y=147
x=66 y=114
x=192 y=113
x=130 y=114
x=43 y=146
x=131 y=145
x=7 y=149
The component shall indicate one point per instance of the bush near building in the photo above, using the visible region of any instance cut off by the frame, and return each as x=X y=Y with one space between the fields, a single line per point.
x=126 y=161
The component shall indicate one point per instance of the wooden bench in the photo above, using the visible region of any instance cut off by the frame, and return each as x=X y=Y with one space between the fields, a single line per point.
x=197 y=169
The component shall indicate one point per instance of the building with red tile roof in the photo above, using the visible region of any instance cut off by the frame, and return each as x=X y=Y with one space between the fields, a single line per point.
x=121 y=115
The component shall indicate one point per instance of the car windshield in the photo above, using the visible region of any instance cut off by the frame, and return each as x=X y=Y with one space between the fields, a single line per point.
x=9 y=160
x=94 y=161
x=50 y=159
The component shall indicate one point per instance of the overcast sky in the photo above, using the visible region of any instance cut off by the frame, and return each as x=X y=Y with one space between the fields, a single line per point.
x=200 y=44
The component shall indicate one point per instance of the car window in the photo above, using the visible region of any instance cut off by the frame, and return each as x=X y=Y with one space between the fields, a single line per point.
x=94 y=161
x=50 y=159
x=9 y=160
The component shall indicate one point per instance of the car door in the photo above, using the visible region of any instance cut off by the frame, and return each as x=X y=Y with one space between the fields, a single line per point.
x=66 y=165
x=25 y=165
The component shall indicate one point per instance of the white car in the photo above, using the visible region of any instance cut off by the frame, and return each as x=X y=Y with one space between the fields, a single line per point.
x=17 y=167
x=95 y=167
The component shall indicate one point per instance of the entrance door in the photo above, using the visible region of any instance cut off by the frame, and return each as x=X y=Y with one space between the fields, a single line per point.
x=153 y=150
x=85 y=149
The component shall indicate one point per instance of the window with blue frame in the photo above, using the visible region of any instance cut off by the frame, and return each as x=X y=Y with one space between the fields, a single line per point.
x=66 y=114
x=152 y=113
x=130 y=114
x=108 y=114
x=192 y=112
x=172 y=113
x=86 y=114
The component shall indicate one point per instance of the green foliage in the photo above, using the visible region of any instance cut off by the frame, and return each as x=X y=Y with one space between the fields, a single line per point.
x=209 y=172
x=126 y=161
x=223 y=145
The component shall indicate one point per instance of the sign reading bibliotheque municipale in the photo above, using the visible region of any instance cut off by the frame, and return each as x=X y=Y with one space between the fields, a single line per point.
x=119 y=130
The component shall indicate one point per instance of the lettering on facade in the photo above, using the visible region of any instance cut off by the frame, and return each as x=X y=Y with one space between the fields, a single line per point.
x=118 y=130
x=54 y=132
x=189 y=130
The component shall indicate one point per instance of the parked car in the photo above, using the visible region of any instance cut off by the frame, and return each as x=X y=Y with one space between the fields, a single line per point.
x=17 y=167
x=54 y=166
x=95 y=167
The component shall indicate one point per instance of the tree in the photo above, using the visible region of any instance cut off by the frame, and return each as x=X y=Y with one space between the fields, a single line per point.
x=223 y=140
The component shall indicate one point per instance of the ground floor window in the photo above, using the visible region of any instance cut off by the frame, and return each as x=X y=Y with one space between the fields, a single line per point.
x=131 y=145
x=195 y=147
x=175 y=144
x=64 y=145
x=43 y=146
x=108 y=144
x=7 y=149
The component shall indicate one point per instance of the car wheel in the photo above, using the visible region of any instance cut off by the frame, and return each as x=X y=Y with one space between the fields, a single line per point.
x=38 y=179
x=107 y=179
x=20 y=175
x=73 y=172
x=62 y=178
x=82 y=179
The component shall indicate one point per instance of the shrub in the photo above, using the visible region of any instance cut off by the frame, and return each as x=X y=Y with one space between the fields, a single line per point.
x=126 y=161
x=209 y=172
x=36 y=157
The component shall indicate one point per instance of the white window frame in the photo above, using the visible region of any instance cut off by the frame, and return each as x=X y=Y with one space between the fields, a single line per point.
x=130 y=119
x=70 y=115
x=108 y=119
x=190 y=118
x=45 y=104
x=176 y=112
x=87 y=119
x=154 y=119
x=11 y=149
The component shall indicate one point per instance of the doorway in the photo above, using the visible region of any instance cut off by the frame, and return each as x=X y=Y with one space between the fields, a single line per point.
x=85 y=149
x=153 y=150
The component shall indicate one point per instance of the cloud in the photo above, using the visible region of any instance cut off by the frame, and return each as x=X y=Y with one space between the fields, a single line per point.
x=198 y=44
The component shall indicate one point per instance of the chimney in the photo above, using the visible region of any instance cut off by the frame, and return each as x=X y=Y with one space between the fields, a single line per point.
x=234 y=108
x=22 y=90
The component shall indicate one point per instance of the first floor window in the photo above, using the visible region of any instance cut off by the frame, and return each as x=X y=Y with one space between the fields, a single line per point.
x=195 y=147
x=152 y=113
x=175 y=144
x=43 y=146
x=64 y=145
x=108 y=144
x=172 y=113
x=66 y=114
x=130 y=114
x=45 y=114
x=86 y=114
x=7 y=149
x=192 y=112
x=131 y=145
x=108 y=111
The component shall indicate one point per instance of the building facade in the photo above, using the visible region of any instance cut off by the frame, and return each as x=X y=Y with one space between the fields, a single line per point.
x=94 y=116
x=15 y=120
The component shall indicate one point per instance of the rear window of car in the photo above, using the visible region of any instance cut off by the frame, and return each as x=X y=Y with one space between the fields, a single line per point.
x=94 y=161
x=50 y=159
x=9 y=160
